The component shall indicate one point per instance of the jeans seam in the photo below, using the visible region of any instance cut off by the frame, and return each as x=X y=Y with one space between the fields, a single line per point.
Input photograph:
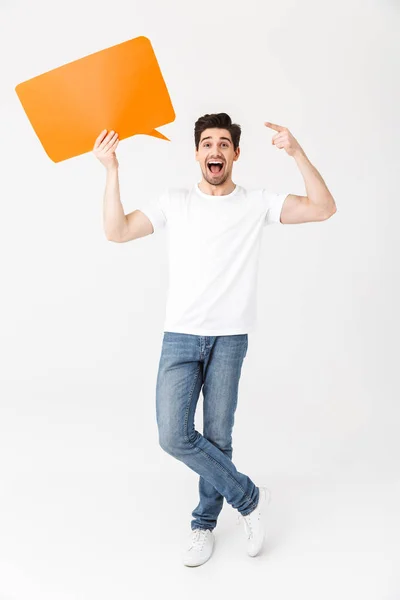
x=186 y=437
x=210 y=458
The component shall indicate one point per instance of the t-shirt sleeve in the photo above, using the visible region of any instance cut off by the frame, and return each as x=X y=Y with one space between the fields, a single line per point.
x=156 y=210
x=273 y=203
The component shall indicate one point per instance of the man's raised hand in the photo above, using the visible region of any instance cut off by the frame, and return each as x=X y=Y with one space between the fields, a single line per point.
x=284 y=139
x=104 y=149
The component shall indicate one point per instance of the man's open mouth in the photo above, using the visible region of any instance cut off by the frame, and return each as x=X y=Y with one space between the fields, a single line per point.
x=215 y=166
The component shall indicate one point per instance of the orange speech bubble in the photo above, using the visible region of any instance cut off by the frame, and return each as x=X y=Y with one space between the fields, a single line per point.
x=120 y=88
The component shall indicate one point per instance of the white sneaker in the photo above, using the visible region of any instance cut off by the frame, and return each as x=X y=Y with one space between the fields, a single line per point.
x=255 y=523
x=199 y=548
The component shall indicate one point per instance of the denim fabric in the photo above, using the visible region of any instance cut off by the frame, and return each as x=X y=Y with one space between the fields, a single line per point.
x=187 y=364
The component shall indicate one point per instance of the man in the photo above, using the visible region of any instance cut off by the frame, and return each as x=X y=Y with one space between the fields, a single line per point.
x=214 y=234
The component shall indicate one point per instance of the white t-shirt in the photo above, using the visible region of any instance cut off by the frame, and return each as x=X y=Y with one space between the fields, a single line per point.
x=213 y=246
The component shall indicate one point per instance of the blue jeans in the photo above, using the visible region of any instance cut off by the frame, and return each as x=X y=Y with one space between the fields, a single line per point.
x=188 y=363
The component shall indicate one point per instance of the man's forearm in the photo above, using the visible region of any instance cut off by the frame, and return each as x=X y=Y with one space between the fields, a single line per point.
x=317 y=190
x=113 y=212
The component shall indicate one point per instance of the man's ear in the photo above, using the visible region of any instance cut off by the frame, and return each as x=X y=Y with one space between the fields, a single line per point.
x=237 y=151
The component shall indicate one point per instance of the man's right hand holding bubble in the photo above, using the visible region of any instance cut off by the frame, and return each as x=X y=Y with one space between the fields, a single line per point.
x=104 y=149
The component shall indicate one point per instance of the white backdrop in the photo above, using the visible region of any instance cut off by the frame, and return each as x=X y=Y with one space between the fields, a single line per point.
x=90 y=505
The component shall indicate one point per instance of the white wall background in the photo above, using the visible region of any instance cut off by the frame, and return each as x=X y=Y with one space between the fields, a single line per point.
x=90 y=505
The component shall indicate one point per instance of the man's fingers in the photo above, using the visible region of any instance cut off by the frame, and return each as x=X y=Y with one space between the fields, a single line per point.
x=107 y=144
x=104 y=145
x=107 y=139
x=100 y=138
x=274 y=126
x=103 y=139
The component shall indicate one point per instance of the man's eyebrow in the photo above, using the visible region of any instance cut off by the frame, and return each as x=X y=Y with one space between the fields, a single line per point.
x=221 y=138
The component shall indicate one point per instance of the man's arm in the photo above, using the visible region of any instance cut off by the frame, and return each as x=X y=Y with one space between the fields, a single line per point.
x=137 y=225
x=318 y=205
x=119 y=227
x=113 y=213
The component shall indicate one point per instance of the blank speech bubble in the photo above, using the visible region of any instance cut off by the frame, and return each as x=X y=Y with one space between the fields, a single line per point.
x=119 y=88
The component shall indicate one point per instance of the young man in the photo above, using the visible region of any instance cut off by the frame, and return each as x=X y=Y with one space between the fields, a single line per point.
x=214 y=234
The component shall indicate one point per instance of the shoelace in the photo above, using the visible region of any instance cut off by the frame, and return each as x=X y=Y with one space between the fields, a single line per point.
x=198 y=538
x=247 y=524
x=247 y=521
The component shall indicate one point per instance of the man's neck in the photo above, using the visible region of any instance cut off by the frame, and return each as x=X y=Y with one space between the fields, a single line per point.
x=216 y=190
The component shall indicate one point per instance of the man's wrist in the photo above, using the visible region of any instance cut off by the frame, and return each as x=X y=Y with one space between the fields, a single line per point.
x=300 y=155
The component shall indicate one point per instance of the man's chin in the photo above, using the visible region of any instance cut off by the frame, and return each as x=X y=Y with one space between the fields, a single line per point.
x=216 y=180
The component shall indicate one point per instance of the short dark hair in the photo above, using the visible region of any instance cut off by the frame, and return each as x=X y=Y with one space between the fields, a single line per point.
x=219 y=120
